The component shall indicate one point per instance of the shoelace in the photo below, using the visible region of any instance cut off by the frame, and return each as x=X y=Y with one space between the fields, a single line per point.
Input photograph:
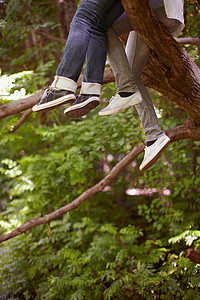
x=114 y=97
x=47 y=92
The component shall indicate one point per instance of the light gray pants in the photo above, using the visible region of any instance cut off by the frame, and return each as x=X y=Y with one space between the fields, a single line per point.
x=127 y=67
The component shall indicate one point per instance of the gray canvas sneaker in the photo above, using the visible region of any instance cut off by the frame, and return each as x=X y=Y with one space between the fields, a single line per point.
x=53 y=98
x=83 y=105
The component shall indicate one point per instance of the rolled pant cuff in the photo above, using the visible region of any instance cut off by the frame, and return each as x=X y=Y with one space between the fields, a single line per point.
x=155 y=136
x=90 y=88
x=128 y=90
x=64 y=83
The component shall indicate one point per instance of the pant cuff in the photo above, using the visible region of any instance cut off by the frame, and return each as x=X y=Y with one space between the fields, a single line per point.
x=155 y=136
x=90 y=88
x=64 y=83
x=127 y=90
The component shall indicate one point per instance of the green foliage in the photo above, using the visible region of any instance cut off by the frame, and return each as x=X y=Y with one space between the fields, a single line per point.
x=114 y=246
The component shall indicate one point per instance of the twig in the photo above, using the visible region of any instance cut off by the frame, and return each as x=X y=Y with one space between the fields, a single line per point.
x=21 y=120
x=127 y=255
x=51 y=37
x=189 y=41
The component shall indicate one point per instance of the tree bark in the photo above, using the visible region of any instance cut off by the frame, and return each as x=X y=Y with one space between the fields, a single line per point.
x=189 y=41
x=70 y=9
x=20 y=105
x=61 y=18
x=193 y=255
x=170 y=70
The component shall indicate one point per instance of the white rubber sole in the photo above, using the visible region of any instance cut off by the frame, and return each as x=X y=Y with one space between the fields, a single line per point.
x=55 y=103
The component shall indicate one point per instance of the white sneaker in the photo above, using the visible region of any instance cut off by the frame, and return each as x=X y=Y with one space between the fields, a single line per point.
x=118 y=103
x=153 y=152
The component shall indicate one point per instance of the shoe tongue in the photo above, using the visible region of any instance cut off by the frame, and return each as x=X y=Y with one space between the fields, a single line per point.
x=82 y=98
x=112 y=98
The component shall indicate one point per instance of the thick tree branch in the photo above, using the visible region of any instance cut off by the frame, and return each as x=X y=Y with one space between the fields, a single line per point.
x=177 y=133
x=20 y=105
x=176 y=75
x=169 y=70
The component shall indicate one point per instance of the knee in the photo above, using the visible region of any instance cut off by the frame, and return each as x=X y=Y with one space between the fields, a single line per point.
x=173 y=25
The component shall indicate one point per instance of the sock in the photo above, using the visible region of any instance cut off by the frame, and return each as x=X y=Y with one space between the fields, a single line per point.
x=126 y=94
x=89 y=95
x=151 y=143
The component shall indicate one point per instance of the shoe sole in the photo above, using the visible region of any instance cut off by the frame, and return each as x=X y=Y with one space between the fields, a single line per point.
x=115 y=111
x=156 y=157
x=55 y=103
x=81 y=109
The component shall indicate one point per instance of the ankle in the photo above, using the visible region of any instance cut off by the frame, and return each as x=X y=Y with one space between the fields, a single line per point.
x=149 y=143
x=126 y=94
x=89 y=95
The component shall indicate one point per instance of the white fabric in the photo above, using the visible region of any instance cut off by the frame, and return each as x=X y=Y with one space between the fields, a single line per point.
x=64 y=83
x=175 y=10
x=90 y=88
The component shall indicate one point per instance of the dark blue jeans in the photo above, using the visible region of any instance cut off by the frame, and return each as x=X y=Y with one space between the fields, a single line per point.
x=88 y=29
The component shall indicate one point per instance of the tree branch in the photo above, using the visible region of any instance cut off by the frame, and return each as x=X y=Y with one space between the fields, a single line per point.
x=182 y=41
x=177 y=133
x=193 y=255
x=189 y=41
x=21 y=120
x=26 y=103
x=170 y=69
x=20 y=105
x=51 y=37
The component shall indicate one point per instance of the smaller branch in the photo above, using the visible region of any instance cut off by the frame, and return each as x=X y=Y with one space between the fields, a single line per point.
x=51 y=37
x=194 y=162
x=193 y=255
x=127 y=255
x=188 y=40
x=183 y=41
x=21 y=120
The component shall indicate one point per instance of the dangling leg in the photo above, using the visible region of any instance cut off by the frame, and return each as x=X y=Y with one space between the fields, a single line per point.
x=94 y=69
x=89 y=15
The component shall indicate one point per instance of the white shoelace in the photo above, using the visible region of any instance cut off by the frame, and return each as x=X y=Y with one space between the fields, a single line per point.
x=117 y=96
